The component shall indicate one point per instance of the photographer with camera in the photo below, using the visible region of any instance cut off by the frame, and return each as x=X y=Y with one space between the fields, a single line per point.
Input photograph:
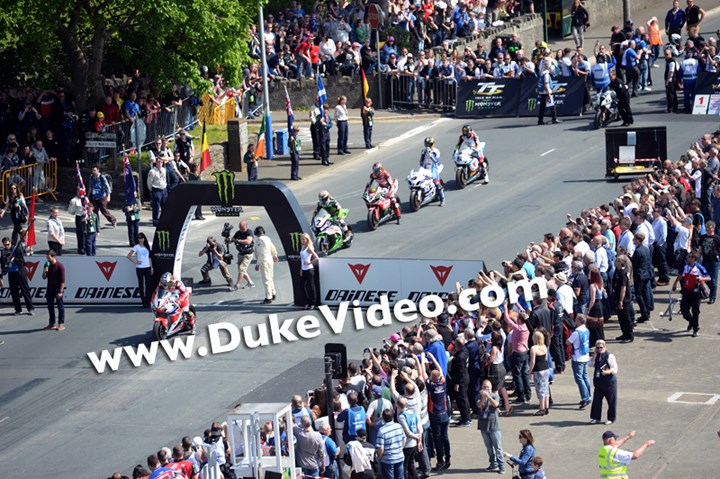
x=245 y=243
x=216 y=259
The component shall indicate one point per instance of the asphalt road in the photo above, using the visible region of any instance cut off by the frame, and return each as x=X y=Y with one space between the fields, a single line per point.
x=58 y=417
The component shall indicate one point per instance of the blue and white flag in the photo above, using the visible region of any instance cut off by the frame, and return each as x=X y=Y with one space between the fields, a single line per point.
x=321 y=94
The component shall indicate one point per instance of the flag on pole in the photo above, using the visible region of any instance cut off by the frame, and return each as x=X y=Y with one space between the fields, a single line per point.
x=205 y=159
x=260 y=146
x=321 y=94
x=365 y=85
x=130 y=185
x=288 y=107
x=30 y=238
x=81 y=185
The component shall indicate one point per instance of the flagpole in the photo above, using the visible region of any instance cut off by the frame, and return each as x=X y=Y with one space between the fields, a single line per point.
x=266 y=92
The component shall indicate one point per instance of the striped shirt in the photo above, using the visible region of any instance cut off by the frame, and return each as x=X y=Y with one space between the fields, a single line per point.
x=391 y=438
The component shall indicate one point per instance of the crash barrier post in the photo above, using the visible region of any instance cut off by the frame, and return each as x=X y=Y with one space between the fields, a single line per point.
x=144 y=131
x=407 y=91
x=494 y=97
x=41 y=180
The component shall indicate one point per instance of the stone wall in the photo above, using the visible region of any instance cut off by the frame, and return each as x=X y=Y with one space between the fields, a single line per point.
x=611 y=11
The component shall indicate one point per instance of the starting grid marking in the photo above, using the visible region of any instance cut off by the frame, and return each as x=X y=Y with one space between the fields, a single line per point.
x=710 y=401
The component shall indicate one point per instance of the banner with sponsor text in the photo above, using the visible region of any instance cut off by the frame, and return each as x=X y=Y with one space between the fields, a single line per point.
x=88 y=280
x=516 y=97
x=366 y=279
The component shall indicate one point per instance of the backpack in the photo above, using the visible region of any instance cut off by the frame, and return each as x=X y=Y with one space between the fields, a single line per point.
x=107 y=183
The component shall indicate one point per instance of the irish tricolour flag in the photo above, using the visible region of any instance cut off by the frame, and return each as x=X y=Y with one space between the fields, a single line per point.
x=260 y=147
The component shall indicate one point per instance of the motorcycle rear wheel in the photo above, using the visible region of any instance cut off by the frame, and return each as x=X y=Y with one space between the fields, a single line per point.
x=159 y=331
x=372 y=221
x=461 y=178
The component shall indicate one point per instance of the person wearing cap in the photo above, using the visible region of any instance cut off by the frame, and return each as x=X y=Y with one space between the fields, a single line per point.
x=388 y=49
x=612 y=460
x=295 y=146
x=692 y=277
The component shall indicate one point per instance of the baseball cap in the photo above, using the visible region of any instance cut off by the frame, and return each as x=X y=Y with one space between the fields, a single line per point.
x=608 y=435
x=355 y=44
x=377 y=390
x=391 y=38
x=197 y=441
x=395 y=337
x=100 y=115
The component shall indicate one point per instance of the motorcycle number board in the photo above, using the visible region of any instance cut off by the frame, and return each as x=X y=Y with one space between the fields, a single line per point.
x=368 y=279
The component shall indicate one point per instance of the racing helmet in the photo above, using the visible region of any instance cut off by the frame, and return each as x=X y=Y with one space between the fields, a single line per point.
x=675 y=38
x=429 y=142
x=377 y=168
x=324 y=197
x=466 y=130
x=166 y=279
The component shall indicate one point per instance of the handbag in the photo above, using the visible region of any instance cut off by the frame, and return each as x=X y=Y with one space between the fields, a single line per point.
x=704 y=291
x=595 y=322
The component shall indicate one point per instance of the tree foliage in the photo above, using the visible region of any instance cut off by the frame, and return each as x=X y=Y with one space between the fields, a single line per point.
x=75 y=43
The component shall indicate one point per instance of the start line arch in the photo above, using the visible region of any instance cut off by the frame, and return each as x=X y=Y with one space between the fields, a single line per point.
x=277 y=199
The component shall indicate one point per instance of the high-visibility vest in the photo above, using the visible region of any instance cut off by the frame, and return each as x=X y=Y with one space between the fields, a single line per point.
x=609 y=469
x=654 y=34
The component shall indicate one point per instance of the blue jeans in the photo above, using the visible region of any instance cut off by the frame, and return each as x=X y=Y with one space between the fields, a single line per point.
x=712 y=269
x=331 y=471
x=520 y=371
x=580 y=372
x=493 y=444
x=439 y=424
x=392 y=471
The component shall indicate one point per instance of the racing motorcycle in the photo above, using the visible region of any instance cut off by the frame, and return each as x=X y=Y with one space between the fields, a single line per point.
x=422 y=187
x=469 y=166
x=169 y=316
x=380 y=206
x=329 y=234
x=606 y=109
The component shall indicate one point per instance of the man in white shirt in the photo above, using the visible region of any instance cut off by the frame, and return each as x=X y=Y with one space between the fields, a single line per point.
x=626 y=236
x=628 y=201
x=564 y=293
x=77 y=209
x=681 y=247
x=659 y=225
x=157 y=183
x=580 y=342
x=643 y=226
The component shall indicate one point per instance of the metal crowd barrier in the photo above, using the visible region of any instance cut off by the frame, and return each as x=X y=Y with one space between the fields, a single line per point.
x=41 y=181
x=144 y=131
x=407 y=91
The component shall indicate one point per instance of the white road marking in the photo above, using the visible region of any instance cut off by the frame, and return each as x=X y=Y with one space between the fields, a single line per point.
x=4 y=419
x=412 y=133
x=712 y=398
x=548 y=152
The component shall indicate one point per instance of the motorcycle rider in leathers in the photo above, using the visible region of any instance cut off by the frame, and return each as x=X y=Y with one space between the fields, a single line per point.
x=177 y=287
x=430 y=160
x=331 y=205
x=384 y=181
x=468 y=139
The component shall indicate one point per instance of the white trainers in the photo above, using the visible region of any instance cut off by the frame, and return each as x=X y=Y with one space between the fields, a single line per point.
x=647 y=88
x=594 y=421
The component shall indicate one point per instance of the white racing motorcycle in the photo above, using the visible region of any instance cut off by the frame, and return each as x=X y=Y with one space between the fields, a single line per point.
x=469 y=167
x=422 y=187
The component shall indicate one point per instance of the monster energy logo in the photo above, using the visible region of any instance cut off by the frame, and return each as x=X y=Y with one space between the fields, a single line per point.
x=225 y=182
x=469 y=105
x=296 y=240
x=532 y=103
x=163 y=238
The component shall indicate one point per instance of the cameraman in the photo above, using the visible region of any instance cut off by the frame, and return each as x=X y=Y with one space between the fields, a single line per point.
x=245 y=243
x=214 y=252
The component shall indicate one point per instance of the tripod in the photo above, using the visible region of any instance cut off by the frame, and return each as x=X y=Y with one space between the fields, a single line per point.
x=671 y=307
